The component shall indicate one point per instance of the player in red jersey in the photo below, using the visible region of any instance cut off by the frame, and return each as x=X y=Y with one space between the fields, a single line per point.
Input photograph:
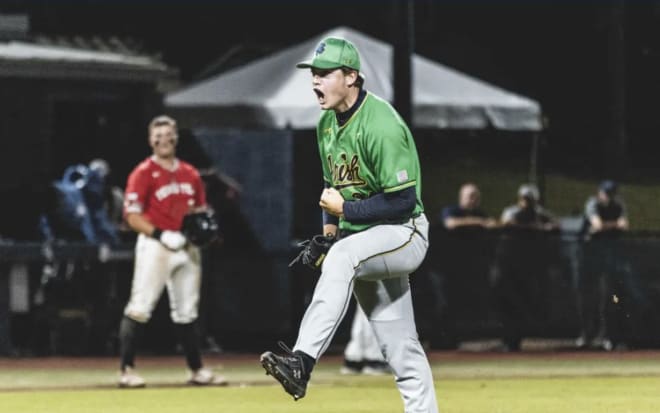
x=161 y=190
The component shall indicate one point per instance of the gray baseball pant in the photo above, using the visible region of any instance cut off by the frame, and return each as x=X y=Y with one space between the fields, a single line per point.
x=374 y=265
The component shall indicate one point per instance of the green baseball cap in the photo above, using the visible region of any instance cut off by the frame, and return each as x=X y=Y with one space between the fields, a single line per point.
x=332 y=53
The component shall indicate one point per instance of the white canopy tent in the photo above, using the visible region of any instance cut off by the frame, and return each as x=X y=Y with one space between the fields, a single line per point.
x=23 y=59
x=271 y=92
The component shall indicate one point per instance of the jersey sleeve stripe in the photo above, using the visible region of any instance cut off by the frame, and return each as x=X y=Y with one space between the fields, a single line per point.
x=133 y=209
x=400 y=187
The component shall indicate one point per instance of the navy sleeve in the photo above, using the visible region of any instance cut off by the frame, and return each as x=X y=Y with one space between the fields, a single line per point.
x=449 y=212
x=382 y=206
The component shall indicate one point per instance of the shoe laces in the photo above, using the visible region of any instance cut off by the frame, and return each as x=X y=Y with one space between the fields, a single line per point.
x=286 y=348
x=298 y=367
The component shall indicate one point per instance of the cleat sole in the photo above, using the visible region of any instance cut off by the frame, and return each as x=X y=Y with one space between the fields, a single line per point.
x=269 y=363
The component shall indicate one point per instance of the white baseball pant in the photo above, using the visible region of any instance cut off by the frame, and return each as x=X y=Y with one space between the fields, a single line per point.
x=156 y=267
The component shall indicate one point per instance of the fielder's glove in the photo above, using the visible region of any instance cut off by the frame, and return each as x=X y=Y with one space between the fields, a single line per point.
x=314 y=251
x=200 y=228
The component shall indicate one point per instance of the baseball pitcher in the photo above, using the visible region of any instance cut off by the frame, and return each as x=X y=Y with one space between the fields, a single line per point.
x=372 y=197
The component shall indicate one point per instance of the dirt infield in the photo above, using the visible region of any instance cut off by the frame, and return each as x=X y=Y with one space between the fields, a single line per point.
x=244 y=370
x=112 y=362
x=241 y=359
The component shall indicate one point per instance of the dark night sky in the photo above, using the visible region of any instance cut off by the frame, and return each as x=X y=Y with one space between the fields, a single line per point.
x=554 y=52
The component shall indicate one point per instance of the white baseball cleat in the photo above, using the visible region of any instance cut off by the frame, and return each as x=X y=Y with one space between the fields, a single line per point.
x=205 y=377
x=351 y=367
x=129 y=379
x=376 y=368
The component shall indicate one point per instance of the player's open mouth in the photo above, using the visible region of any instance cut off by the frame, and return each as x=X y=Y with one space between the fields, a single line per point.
x=319 y=94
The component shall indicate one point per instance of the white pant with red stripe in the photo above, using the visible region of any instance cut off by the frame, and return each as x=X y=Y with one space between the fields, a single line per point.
x=156 y=267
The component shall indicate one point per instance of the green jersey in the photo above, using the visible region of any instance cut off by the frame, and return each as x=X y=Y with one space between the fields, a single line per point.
x=372 y=152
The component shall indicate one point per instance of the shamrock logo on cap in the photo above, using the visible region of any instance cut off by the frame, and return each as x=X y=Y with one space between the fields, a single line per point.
x=320 y=49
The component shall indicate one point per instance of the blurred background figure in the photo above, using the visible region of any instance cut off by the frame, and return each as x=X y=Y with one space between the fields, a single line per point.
x=362 y=354
x=109 y=197
x=75 y=293
x=527 y=213
x=467 y=213
x=459 y=265
x=100 y=201
x=521 y=263
x=607 y=286
x=80 y=211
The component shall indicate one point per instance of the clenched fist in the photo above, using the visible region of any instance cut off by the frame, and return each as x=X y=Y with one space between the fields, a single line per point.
x=332 y=202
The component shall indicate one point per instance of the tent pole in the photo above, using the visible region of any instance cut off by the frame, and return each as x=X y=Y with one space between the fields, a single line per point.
x=404 y=46
x=536 y=171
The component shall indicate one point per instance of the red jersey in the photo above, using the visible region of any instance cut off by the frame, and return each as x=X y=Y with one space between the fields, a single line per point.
x=164 y=196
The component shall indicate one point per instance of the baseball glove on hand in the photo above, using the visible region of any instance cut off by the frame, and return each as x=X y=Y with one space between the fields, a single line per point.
x=200 y=228
x=314 y=251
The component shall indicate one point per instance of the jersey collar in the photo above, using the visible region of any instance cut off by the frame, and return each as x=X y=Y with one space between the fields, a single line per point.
x=175 y=165
x=344 y=117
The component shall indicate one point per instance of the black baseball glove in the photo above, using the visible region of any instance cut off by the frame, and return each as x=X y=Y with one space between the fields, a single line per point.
x=314 y=251
x=200 y=228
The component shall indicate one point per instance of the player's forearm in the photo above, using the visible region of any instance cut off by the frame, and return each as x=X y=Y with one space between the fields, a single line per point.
x=620 y=224
x=455 y=222
x=139 y=223
x=329 y=230
x=199 y=208
x=596 y=223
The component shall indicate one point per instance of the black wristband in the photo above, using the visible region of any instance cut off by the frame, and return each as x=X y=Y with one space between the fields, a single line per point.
x=156 y=233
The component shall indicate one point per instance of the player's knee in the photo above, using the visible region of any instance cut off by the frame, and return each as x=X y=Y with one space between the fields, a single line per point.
x=183 y=317
x=138 y=316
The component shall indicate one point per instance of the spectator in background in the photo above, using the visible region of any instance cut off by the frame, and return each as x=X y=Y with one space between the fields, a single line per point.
x=527 y=213
x=110 y=196
x=606 y=213
x=80 y=211
x=607 y=275
x=467 y=213
x=77 y=213
x=521 y=265
x=459 y=264
x=96 y=193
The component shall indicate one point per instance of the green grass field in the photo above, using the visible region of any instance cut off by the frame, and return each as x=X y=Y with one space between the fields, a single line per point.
x=465 y=382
